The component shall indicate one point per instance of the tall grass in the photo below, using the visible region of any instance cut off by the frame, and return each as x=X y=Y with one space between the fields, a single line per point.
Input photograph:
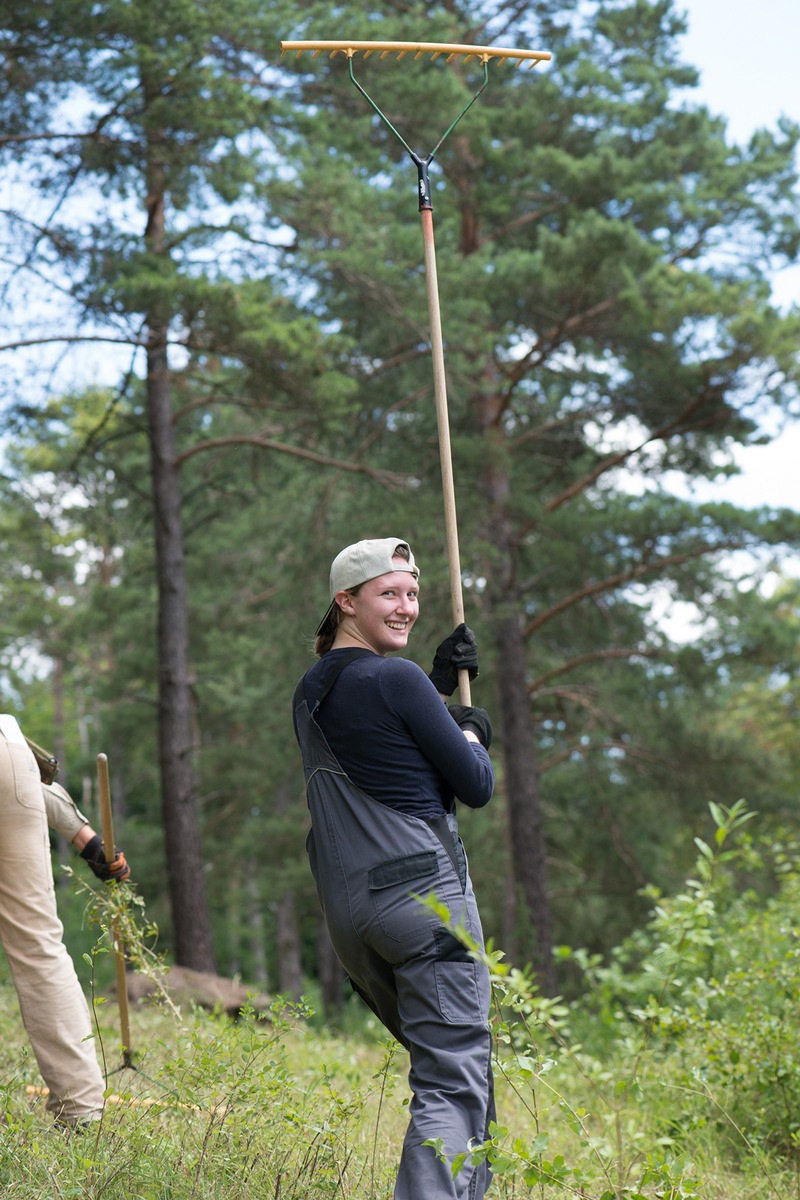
x=672 y=1079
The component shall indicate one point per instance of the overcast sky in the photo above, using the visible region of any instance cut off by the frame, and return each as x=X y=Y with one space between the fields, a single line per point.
x=747 y=53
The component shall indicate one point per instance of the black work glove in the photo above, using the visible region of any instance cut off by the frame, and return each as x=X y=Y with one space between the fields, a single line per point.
x=94 y=853
x=474 y=719
x=458 y=652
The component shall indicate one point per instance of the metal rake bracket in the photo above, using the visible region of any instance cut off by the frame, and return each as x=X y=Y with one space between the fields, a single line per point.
x=448 y=51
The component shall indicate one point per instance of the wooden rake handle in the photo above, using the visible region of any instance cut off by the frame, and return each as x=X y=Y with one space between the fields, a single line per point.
x=443 y=425
x=104 y=791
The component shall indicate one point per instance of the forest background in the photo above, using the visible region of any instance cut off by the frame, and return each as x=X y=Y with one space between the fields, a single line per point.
x=239 y=231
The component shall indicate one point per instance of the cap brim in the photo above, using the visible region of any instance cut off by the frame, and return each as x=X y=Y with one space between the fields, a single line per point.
x=326 y=618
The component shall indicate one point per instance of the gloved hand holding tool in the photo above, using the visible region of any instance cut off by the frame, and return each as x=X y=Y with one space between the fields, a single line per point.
x=458 y=652
x=94 y=852
x=476 y=720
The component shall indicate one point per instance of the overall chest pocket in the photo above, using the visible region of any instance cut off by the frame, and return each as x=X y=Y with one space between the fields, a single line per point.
x=392 y=885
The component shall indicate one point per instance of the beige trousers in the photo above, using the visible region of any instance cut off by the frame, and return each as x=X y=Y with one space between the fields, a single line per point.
x=53 y=1006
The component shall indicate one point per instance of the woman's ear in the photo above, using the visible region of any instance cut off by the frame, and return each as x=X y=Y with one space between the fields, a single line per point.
x=345 y=602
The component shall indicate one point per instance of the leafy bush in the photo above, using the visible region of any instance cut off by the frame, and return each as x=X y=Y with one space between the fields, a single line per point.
x=712 y=986
x=684 y=1048
x=673 y=1078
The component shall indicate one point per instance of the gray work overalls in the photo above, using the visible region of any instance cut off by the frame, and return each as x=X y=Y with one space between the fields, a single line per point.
x=368 y=861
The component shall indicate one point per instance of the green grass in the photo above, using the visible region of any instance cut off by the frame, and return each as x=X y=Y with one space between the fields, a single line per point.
x=676 y=1076
x=250 y=1109
x=211 y=1108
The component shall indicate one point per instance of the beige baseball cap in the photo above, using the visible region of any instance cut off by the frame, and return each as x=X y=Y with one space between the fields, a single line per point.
x=363 y=561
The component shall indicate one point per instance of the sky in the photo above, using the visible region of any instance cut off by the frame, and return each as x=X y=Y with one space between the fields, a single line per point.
x=746 y=52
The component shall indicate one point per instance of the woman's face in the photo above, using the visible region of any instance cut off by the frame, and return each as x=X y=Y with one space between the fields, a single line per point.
x=382 y=612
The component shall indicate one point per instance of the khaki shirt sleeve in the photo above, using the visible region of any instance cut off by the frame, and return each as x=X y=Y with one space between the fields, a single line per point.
x=63 y=814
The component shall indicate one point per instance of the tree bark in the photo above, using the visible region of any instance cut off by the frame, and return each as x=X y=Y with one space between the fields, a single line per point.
x=290 y=964
x=533 y=926
x=61 y=880
x=189 y=905
x=255 y=934
x=290 y=970
x=331 y=975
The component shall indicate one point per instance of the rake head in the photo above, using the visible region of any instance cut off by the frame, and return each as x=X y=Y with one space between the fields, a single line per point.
x=447 y=50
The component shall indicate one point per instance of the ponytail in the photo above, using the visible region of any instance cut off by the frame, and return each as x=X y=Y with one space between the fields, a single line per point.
x=328 y=631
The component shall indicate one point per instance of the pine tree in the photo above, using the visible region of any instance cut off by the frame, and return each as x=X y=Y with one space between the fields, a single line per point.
x=601 y=256
x=144 y=130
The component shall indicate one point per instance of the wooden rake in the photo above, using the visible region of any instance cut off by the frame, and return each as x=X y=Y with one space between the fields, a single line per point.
x=104 y=791
x=448 y=51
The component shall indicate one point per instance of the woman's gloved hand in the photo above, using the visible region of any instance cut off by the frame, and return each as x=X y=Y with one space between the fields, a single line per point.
x=476 y=720
x=458 y=652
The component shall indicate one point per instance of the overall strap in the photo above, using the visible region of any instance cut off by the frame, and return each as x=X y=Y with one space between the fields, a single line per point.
x=439 y=827
x=335 y=672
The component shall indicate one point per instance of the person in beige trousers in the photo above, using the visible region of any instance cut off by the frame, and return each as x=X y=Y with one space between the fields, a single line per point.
x=51 y=1000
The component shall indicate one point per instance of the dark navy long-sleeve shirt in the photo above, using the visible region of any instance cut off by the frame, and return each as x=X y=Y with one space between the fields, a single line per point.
x=386 y=724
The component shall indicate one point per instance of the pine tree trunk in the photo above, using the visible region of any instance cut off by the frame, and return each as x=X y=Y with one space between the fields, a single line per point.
x=253 y=934
x=331 y=975
x=290 y=970
x=533 y=924
x=189 y=906
x=530 y=900
x=61 y=880
x=190 y=915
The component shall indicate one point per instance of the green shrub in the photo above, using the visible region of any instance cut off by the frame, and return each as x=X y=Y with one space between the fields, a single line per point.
x=674 y=1077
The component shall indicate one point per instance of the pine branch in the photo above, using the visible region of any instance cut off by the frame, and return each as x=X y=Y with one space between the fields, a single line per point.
x=624 y=652
x=387 y=479
x=612 y=581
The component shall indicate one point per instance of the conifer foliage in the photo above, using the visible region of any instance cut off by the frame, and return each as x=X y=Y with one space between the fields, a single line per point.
x=239 y=233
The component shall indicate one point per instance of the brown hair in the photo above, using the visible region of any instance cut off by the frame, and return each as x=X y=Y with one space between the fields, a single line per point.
x=327 y=633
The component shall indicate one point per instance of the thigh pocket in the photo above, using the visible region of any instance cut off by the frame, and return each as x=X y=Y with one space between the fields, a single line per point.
x=21 y=772
x=463 y=991
x=393 y=885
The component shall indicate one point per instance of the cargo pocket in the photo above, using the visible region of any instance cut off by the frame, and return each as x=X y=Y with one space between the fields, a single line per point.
x=460 y=986
x=392 y=885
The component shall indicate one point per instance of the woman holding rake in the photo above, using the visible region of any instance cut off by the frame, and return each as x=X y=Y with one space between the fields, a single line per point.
x=384 y=759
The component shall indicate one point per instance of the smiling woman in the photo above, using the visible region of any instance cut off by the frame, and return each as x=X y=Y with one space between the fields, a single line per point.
x=369 y=562
x=384 y=759
x=380 y=614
